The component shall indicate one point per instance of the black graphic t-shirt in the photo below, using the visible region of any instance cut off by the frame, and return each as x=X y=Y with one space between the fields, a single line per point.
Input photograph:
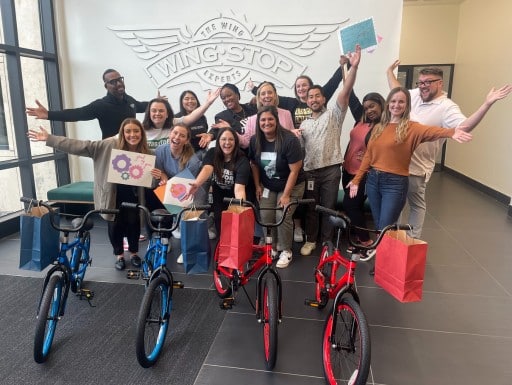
x=274 y=167
x=232 y=174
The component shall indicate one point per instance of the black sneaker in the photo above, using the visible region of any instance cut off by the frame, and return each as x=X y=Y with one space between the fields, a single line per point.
x=120 y=264
x=135 y=260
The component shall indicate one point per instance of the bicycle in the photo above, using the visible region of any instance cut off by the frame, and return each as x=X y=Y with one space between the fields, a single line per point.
x=268 y=284
x=156 y=306
x=65 y=274
x=346 y=349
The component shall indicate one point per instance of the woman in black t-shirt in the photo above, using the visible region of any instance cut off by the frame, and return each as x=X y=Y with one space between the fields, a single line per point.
x=276 y=164
x=229 y=169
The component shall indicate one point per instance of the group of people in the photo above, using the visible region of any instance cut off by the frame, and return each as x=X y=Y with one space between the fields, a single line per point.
x=277 y=150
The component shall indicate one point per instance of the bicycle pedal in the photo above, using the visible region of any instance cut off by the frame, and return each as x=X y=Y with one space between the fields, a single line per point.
x=85 y=294
x=133 y=274
x=178 y=285
x=311 y=302
x=227 y=303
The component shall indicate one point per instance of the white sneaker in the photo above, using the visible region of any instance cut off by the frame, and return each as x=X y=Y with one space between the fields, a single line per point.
x=180 y=259
x=308 y=248
x=275 y=253
x=177 y=233
x=284 y=259
x=297 y=235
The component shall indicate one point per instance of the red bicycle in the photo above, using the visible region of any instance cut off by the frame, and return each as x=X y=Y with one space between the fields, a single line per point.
x=268 y=283
x=346 y=349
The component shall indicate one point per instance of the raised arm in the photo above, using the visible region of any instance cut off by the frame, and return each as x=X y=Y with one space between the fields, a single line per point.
x=390 y=73
x=493 y=96
x=199 y=111
x=350 y=78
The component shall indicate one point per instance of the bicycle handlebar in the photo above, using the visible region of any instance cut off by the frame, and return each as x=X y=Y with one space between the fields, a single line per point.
x=147 y=214
x=293 y=202
x=381 y=233
x=53 y=213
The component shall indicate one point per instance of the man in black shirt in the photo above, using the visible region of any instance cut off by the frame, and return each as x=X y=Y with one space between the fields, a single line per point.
x=110 y=110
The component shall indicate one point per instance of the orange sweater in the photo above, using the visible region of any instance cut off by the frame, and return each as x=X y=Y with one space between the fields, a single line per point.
x=385 y=154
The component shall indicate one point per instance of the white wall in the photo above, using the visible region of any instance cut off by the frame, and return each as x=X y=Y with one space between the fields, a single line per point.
x=88 y=45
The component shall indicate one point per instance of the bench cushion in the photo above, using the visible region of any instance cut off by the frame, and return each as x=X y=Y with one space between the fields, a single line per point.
x=77 y=192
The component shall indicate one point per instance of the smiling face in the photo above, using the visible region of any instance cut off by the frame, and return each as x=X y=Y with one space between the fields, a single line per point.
x=268 y=124
x=189 y=102
x=132 y=135
x=158 y=114
x=316 y=100
x=267 y=96
x=431 y=87
x=372 y=111
x=230 y=99
x=178 y=137
x=397 y=105
x=114 y=83
x=301 y=89
x=227 y=144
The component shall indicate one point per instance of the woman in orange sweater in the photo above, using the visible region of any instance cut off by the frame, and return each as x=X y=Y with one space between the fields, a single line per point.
x=389 y=153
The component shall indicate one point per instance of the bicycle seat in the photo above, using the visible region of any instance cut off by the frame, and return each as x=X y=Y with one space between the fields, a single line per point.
x=89 y=224
x=337 y=222
x=162 y=217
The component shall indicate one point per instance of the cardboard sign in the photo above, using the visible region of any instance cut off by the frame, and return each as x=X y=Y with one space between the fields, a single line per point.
x=131 y=168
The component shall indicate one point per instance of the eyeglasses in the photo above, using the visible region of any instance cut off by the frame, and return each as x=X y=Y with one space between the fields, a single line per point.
x=113 y=82
x=427 y=82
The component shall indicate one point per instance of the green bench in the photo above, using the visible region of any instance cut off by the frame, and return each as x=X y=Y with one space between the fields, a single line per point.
x=73 y=198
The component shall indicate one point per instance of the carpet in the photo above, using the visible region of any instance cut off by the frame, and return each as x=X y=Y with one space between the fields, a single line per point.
x=96 y=345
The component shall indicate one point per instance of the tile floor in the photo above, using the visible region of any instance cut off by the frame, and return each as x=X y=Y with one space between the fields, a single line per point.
x=460 y=333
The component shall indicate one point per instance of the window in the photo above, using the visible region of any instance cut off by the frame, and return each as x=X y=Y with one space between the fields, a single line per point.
x=28 y=71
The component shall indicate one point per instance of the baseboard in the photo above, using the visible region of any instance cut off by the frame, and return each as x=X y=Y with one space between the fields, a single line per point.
x=502 y=198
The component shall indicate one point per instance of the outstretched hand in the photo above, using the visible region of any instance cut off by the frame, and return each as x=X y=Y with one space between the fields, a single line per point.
x=394 y=65
x=212 y=95
x=353 y=188
x=461 y=136
x=40 y=112
x=354 y=57
x=38 y=136
x=497 y=94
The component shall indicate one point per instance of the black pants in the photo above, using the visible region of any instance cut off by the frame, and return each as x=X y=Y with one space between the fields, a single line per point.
x=354 y=207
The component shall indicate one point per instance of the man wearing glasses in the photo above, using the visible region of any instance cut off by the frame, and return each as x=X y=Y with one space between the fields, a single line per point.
x=431 y=106
x=110 y=110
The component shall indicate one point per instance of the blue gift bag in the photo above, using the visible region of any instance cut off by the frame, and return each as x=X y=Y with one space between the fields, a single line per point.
x=195 y=244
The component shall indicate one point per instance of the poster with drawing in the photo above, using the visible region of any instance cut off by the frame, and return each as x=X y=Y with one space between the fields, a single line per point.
x=131 y=168
x=362 y=33
x=173 y=193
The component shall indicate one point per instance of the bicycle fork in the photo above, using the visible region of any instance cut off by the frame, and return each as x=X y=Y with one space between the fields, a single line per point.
x=259 y=294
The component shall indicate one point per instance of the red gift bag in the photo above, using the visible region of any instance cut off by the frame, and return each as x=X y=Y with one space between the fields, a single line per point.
x=400 y=266
x=236 y=234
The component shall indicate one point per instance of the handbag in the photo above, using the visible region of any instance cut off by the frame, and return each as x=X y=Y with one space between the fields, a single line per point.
x=195 y=244
x=400 y=265
x=236 y=235
x=39 y=241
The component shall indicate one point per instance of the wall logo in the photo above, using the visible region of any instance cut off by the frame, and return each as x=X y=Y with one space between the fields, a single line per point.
x=226 y=49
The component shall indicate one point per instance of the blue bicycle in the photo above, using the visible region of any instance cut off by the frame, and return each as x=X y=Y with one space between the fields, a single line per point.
x=67 y=273
x=154 y=313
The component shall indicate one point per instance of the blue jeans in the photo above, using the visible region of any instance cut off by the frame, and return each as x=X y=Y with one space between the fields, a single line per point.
x=387 y=194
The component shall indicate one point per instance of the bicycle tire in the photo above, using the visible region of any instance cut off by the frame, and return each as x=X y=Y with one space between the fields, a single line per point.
x=47 y=318
x=270 y=309
x=80 y=261
x=221 y=282
x=153 y=321
x=347 y=355
x=322 y=297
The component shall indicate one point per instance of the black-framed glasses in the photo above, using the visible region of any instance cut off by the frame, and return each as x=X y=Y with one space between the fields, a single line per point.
x=427 y=82
x=113 y=82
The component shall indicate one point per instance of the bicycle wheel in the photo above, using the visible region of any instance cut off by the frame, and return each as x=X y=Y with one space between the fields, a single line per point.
x=346 y=353
x=270 y=320
x=322 y=297
x=221 y=282
x=153 y=321
x=80 y=261
x=47 y=318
